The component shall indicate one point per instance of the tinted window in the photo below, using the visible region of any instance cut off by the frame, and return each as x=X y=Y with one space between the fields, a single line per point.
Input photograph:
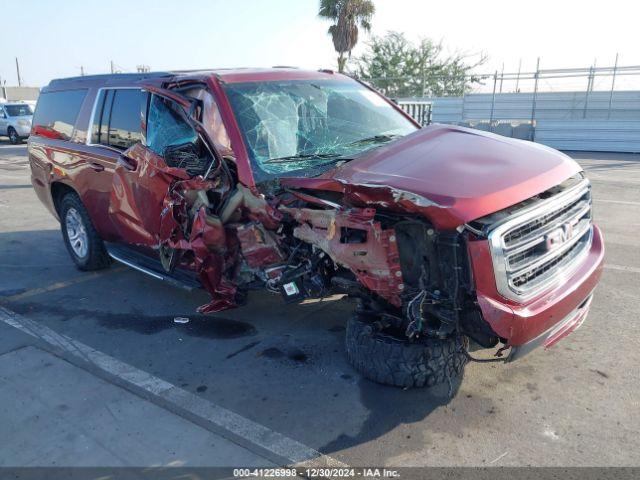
x=124 y=123
x=18 y=110
x=56 y=113
x=100 y=128
x=117 y=118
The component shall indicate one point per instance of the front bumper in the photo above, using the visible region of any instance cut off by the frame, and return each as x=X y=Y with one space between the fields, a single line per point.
x=545 y=319
x=555 y=333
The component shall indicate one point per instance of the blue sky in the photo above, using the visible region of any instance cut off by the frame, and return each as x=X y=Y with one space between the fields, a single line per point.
x=54 y=38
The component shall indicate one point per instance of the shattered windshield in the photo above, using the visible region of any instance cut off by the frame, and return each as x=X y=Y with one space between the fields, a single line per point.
x=302 y=127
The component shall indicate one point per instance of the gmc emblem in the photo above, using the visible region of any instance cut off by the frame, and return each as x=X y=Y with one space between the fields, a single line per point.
x=558 y=236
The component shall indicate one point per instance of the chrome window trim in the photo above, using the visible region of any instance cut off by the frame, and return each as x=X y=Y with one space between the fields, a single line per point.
x=527 y=214
x=88 y=141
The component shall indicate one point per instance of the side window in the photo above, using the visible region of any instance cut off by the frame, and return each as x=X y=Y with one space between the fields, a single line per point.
x=117 y=119
x=165 y=126
x=170 y=136
x=56 y=113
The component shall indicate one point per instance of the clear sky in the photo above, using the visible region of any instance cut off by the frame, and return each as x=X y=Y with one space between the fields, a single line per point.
x=54 y=38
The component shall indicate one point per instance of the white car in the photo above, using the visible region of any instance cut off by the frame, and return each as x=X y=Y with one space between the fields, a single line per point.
x=15 y=121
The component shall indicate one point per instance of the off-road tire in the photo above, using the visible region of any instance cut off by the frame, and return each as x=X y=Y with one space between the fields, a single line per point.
x=386 y=359
x=14 y=138
x=96 y=257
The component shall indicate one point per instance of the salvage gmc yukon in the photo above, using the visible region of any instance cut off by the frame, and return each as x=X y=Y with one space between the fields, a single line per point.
x=311 y=183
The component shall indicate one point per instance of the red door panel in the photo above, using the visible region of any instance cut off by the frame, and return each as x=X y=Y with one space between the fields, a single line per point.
x=140 y=184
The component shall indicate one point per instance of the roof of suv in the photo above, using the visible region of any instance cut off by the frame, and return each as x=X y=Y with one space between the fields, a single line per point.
x=231 y=75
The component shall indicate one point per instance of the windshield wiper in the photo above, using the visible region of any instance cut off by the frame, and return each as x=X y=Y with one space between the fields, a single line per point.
x=375 y=139
x=302 y=156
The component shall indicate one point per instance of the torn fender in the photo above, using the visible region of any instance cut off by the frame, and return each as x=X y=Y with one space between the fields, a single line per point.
x=374 y=260
x=203 y=243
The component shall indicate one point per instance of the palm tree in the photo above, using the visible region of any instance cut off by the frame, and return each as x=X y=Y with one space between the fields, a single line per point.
x=346 y=15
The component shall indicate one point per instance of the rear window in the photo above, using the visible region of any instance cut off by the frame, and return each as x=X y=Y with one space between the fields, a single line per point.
x=18 y=110
x=56 y=113
x=118 y=118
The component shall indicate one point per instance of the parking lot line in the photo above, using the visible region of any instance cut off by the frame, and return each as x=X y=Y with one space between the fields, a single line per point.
x=622 y=268
x=620 y=202
x=247 y=433
x=66 y=283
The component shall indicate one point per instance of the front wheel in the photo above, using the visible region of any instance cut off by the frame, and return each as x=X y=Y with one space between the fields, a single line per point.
x=81 y=239
x=14 y=138
x=391 y=360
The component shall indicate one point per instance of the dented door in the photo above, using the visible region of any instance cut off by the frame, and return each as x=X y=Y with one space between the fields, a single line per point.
x=143 y=175
x=141 y=182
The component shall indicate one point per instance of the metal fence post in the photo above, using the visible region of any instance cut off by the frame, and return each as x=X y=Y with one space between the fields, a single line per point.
x=613 y=84
x=586 y=96
x=493 y=100
x=533 y=103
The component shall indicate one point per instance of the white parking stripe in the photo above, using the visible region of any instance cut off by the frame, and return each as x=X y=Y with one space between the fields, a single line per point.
x=622 y=268
x=251 y=435
x=621 y=202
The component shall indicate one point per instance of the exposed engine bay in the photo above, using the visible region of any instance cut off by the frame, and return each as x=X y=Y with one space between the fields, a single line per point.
x=303 y=244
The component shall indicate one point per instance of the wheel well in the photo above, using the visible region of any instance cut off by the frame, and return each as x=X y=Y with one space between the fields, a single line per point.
x=59 y=190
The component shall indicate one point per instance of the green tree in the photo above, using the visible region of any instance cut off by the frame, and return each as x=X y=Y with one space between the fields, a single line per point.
x=401 y=68
x=346 y=16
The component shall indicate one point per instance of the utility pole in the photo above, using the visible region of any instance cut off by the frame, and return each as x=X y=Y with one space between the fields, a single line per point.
x=18 y=72
x=81 y=71
x=112 y=69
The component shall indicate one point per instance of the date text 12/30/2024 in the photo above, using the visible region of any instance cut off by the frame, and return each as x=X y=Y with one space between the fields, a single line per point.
x=285 y=472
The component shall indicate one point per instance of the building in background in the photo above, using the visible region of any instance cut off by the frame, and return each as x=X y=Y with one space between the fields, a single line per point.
x=18 y=94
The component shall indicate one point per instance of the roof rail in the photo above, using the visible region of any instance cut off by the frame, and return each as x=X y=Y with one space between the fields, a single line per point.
x=109 y=76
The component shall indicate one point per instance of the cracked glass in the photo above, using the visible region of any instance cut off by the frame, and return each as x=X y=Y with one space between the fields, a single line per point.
x=302 y=127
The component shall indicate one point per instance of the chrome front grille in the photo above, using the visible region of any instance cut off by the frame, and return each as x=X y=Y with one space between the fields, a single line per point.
x=539 y=245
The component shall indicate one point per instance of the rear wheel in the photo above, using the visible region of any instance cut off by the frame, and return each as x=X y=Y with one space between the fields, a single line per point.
x=81 y=239
x=391 y=360
x=14 y=138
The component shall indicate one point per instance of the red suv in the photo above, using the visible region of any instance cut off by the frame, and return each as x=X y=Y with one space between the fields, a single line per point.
x=311 y=183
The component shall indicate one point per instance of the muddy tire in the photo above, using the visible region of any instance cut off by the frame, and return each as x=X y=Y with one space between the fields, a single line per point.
x=392 y=361
x=80 y=237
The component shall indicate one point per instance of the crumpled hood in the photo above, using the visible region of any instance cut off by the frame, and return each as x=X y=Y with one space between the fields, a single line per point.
x=464 y=172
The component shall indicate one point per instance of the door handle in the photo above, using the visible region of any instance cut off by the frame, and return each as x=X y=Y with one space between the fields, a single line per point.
x=96 y=166
x=127 y=162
